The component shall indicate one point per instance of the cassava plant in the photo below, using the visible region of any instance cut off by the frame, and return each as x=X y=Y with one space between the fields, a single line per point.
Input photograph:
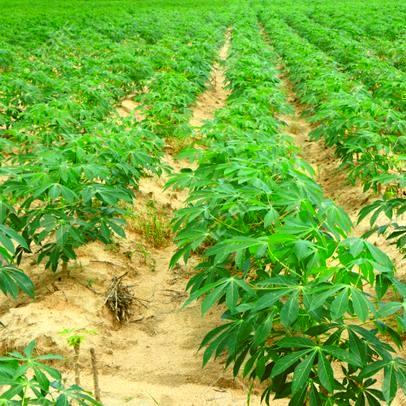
x=305 y=305
x=366 y=131
x=392 y=207
x=71 y=194
x=27 y=379
x=12 y=279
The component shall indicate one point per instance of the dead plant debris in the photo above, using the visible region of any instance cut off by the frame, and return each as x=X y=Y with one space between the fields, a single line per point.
x=119 y=299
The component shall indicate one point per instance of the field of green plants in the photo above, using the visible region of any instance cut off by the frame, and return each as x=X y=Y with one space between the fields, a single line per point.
x=310 y=312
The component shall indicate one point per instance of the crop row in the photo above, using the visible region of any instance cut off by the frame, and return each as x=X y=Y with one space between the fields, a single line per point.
x=377 y=20
x=367 y=137
x=383 y=80
x=357 y=123
x=66 y=183
x=300 y=297
x=68 y=85
x=171 y=91
x=389 y=47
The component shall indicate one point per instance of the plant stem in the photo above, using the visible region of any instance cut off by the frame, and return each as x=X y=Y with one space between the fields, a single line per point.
x=95 y=374
x=76 y=364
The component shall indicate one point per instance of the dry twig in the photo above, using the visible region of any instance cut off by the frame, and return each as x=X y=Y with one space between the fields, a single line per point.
x=119 y=299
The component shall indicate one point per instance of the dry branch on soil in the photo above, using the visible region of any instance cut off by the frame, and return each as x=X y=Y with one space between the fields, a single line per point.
x=119 y=299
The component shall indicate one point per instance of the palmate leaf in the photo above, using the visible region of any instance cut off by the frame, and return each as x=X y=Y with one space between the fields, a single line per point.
x=360 y=303
x=290 y=310
x=228 y=287
x=340 y=304
x=62 y=400
x=302 y=372
x=379 y=256
x=390 y=386
x=389 y=308
x=41 y=378
x=282 y=364
x=372 y=369
x=267 y=300
x=264 y=329
x=295 y=342
x=232 y=295
x=270 y=217
x=319 y=294
x=213 y=297
x=221 y=342
x=340 y=354
x=224 y=248
x=205 y=289
x=382 y=348
x=12 y=280
x=7 y=234
x=304 y=249
x=325 y=373
x=77 y=393
x=358 y=349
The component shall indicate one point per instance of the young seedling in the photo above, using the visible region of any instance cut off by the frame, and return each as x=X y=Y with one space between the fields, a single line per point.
x=27 y=379
x=75 y=338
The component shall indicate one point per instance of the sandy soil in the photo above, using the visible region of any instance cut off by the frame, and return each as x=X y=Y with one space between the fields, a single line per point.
x=336 y=186
x=129 y=106
x=153 y=359
x=333 y=180
x=216 y=94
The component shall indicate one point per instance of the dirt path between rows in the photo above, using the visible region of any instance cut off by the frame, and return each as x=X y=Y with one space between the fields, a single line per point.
x=335 y=184
x=152 y=360
x=216 y=94
x=334 y=181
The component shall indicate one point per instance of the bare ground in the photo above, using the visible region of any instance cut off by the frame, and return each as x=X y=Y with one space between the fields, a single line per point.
x=336 y=186
x=334 y=181
x=153 y=359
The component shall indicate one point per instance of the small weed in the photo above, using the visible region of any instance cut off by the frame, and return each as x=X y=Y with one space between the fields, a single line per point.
x=113 y=247
x=295 y=128
x=154 y=225
x=178 y=144
x=74 y=339
x=144 y=253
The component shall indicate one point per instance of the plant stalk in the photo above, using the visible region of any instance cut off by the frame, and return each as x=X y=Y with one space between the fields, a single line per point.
x=95 y=374
x=76 y=364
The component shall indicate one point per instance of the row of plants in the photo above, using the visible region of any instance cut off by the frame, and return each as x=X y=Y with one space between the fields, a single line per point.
x=70 y=168
x=389 y=47
x=74 y=80
x=376 y=19
x=166 y=104
x=366 y=136
x=64 y=185
x=392 y=209
x=384 y=81
x=305 y=306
